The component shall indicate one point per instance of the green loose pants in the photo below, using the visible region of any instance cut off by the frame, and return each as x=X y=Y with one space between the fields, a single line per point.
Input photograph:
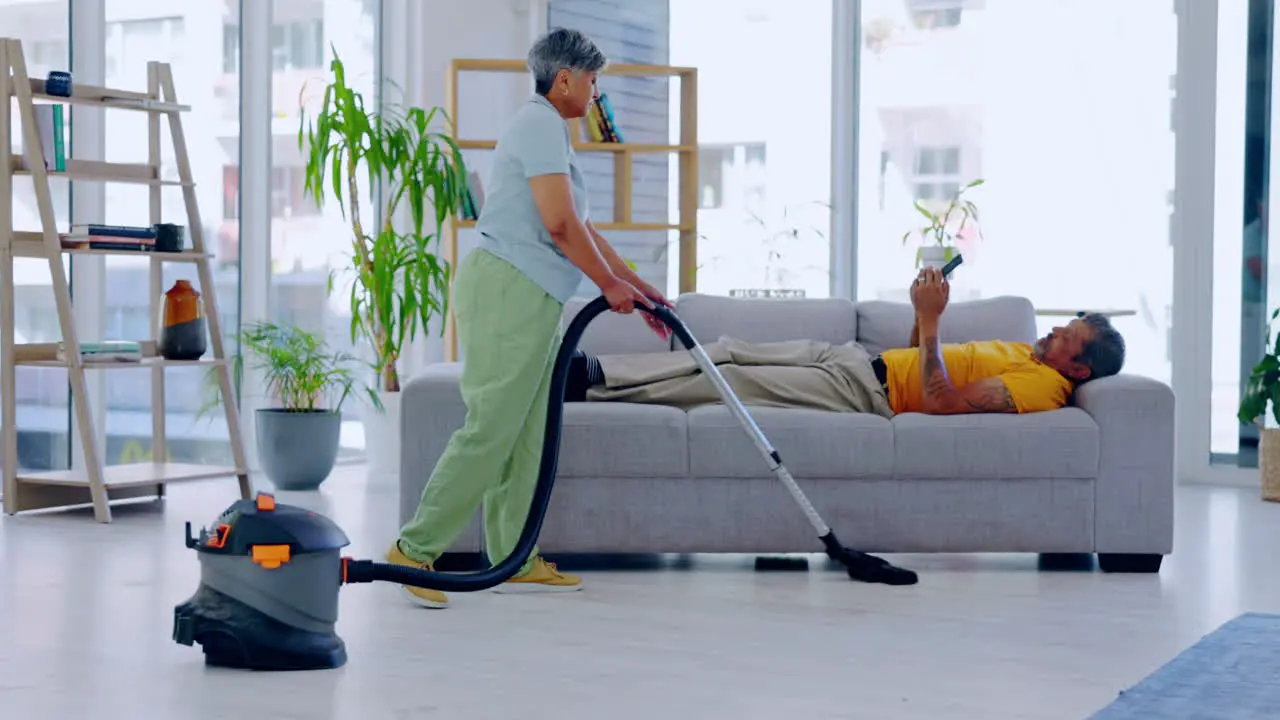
x=509 y=333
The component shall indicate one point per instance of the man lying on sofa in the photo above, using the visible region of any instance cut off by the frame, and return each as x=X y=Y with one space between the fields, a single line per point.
x=989 y=376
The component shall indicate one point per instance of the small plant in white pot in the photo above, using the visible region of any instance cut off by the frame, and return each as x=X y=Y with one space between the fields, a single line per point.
x=298 y=434
x=938 y=238
x=1263 y=389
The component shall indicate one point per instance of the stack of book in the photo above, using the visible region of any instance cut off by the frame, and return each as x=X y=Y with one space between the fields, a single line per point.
x=601 y=125
x=107 y=351
x=110 y=237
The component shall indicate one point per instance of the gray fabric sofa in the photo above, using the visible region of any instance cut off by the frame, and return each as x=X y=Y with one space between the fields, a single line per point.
x=1095 y=477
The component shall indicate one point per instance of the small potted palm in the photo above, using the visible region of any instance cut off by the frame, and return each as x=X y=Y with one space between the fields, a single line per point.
x=1263 y=389
x=306 y=382
x=938 y=237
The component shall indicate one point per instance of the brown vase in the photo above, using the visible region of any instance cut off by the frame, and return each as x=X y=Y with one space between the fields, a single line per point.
x=182 y=329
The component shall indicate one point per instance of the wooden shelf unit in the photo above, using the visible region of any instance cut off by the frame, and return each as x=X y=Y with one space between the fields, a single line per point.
x=98 y=484
x=623 y=153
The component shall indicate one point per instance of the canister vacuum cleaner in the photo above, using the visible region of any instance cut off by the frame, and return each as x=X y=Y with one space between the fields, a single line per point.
x=270 y=573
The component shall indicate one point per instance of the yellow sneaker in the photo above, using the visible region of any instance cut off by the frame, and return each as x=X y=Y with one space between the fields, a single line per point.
x=422 y=596
x=543 y=577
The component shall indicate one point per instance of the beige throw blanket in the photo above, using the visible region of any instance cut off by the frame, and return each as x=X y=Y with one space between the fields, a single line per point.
x=790 y=374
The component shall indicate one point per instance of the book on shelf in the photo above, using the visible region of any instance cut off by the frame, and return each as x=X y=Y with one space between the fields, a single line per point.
x=106 y=351
x=93 y=236
x=473 y=199
x=602 y=127
x=51 y=130
x=122 y=231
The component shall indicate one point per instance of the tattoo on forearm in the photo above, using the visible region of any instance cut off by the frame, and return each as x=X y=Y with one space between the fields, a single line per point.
x=934 y=372
x=993 y=398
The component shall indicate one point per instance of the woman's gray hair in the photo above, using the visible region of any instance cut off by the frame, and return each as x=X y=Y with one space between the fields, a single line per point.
x=563 y=49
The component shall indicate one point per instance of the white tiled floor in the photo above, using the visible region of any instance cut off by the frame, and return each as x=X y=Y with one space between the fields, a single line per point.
x=86 y=612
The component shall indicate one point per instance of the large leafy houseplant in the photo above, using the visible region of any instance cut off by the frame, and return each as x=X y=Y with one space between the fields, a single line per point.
x=399 y=284
x=1263 y=386
x=941 y=231
x=1261 y=390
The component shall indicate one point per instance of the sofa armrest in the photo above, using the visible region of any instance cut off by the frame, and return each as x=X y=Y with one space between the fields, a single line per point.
x=431 y=409
x=1134 y=493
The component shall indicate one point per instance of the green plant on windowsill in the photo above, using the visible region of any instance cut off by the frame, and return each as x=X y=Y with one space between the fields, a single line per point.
x=938 y=240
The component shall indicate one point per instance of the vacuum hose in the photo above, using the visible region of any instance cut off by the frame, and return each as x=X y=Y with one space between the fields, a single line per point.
x=363 y=571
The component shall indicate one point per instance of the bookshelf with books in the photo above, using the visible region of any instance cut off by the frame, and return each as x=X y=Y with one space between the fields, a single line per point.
x=599 y=132
x=38 y=115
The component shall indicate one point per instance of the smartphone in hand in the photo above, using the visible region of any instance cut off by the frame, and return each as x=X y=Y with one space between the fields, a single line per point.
x=950 y=266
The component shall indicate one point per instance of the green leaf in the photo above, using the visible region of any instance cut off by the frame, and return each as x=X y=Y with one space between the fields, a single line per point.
x=925 y=211
x=399 y=284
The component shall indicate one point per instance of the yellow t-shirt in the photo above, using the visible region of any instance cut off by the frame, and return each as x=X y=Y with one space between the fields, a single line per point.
x=1034 y=386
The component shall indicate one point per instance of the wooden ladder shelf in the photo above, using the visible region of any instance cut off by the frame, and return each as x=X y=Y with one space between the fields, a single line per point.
x=97 y=483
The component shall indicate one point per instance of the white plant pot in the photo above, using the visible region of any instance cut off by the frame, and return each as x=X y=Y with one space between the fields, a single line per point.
x=382 y=436
x=933 y=256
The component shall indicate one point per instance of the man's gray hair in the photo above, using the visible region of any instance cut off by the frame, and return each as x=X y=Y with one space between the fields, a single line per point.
x=563 y=49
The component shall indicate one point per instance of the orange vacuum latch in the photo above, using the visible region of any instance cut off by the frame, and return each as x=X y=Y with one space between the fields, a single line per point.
x=271 y=556
x=266 y=502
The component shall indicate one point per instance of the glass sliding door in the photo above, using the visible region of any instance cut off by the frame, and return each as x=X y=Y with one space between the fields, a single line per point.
x=1246 y=274
x=192 y=37
x=1064 y=110
x=764 y=137
x=309 y=244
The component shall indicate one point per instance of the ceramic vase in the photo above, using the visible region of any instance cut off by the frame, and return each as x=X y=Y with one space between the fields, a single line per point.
x=182 y=326
x=933 y=256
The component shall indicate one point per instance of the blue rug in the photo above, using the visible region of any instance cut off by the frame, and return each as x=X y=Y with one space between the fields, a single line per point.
x=1233 y=673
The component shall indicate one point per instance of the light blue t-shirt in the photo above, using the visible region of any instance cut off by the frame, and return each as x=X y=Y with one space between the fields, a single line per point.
x=535 y=143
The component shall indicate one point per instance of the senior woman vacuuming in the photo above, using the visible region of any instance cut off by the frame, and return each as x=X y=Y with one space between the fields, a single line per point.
x=536 y=241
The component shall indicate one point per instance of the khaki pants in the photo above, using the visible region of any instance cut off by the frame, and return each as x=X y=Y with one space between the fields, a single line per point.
x=792 y=374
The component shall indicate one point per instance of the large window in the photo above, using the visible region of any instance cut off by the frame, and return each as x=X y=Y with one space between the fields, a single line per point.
x=309 y=243
x=1064 y=109
x=1246 y=275
x=764 y=134
x=41 y=396
x=170 y=34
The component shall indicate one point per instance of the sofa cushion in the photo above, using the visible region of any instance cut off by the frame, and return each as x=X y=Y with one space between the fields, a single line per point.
x=623 y=440
x=883 y=325
x=613 y=334
x=811 y=443
x=709 y=317
x=1056 y=444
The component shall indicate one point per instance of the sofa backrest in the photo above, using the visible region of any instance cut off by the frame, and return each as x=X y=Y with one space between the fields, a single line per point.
x=709 y=317
x=883 y=324
x=613 y=334
x=877 y=324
